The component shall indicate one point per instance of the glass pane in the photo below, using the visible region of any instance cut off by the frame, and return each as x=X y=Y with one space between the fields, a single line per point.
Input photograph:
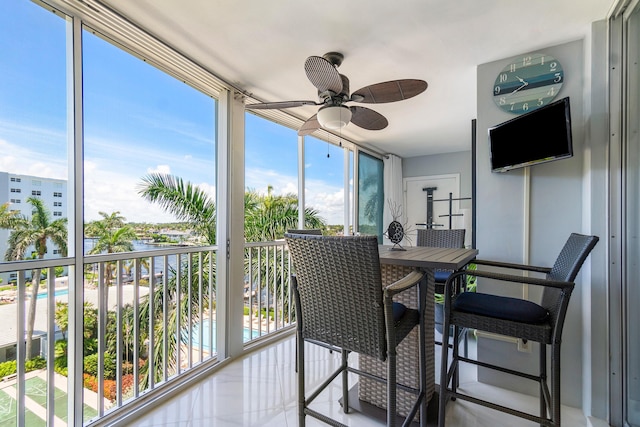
x=271 y=208
x=271 y=179
x=633 y=228
x=142 y=125
x=370 y=195
x=33 y=121
x=150 y=172
x=33 y=187
x=324 y=183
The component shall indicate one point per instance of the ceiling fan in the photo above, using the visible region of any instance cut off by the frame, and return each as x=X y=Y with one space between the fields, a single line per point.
x=333 y=94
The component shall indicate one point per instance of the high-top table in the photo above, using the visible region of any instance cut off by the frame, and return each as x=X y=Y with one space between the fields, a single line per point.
x=396 y=264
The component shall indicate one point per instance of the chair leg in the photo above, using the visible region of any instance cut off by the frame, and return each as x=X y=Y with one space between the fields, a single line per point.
x=455 y=382
x=422 y=369
x=444 y=368
x=543 y=379
x=555 y=386
x=300 y=369
x=466 y=342
x=345 y=382
x=391 y=387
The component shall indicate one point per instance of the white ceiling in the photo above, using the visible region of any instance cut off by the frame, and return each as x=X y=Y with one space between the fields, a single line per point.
x=260 y=46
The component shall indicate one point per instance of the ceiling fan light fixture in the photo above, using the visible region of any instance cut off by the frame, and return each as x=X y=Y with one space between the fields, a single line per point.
x=334 y=117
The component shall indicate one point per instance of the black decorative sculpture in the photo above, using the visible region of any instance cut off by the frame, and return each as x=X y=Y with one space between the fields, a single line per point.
x=396 y=231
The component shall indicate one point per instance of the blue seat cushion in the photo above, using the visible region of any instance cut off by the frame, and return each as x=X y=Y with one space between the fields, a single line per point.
x=500 y=307
x=441 y=276
x=398 y=311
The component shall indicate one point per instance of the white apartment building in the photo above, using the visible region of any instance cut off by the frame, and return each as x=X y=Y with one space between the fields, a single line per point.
x=16 y=189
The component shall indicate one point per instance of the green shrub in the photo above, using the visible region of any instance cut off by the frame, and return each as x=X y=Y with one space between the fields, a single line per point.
x=263 y=313
x=35 y=363
x=8 y=368
x=62 y=370
x=91 y=365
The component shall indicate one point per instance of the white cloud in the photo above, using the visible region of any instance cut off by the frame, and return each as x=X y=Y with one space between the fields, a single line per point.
x=22 y=161
x=109 y=191
x=163 y=169
x=327 y=199
x=113 y=185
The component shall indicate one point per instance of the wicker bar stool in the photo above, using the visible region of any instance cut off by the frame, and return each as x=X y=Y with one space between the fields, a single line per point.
x=517 y=318
x=443 y=238
x=340 y=302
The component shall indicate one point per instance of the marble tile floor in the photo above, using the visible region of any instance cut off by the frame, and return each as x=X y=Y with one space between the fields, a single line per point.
x=259 y=389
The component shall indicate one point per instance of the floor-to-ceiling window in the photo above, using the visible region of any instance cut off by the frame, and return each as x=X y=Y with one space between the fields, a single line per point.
x=148 y=168
x=34 y=189
x=149 y=183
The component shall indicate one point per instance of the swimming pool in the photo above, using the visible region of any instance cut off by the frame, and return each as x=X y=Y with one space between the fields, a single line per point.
x=209 y=327
x=57 y=293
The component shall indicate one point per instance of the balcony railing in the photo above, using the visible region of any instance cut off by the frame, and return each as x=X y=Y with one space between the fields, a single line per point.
x=149 y=319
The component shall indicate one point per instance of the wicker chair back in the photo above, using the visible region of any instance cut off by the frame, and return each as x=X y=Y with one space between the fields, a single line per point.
x=340 y=290
x=453 y=238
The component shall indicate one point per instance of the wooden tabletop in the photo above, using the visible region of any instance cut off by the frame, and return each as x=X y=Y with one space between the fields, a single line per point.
x=427 y=257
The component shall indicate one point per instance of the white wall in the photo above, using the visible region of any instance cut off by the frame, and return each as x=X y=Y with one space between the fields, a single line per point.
x=568 y=195
x=442 y=164
x=556 y=209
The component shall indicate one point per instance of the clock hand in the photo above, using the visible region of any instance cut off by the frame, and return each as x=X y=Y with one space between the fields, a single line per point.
x=524 y=84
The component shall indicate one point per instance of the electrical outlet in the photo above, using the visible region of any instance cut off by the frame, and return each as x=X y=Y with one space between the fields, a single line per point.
x=524 y=346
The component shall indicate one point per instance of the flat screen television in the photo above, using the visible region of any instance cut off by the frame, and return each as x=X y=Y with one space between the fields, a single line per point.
x=540 y=136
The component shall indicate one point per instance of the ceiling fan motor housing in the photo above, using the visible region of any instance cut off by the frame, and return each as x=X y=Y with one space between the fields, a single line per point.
x=329 y=97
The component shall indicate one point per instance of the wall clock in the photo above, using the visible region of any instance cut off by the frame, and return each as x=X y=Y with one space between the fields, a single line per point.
x=528 y=82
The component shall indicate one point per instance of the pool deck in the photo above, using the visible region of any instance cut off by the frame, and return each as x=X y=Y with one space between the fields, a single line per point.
x=9 y=312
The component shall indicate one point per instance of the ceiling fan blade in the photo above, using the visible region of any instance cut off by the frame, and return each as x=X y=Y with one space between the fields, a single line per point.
x=366 y=118
x=310 y=126
x=278 y=105
x=395 y=90
x=323 y=74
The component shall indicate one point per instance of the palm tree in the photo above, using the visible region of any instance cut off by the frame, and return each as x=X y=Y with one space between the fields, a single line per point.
x=113 y=236
x=35 y=232
x=187 y=203
x=8 y=218
x=184 y=200
x=266 y=218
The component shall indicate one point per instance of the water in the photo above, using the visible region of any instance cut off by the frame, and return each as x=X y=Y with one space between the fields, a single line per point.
x=208 y=328
x=139 y=245
x=57 y=293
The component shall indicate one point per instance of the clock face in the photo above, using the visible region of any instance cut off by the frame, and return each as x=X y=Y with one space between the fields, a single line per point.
x=527 y=83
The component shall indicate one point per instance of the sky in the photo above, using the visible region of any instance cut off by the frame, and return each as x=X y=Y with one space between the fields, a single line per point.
x=138 y=120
